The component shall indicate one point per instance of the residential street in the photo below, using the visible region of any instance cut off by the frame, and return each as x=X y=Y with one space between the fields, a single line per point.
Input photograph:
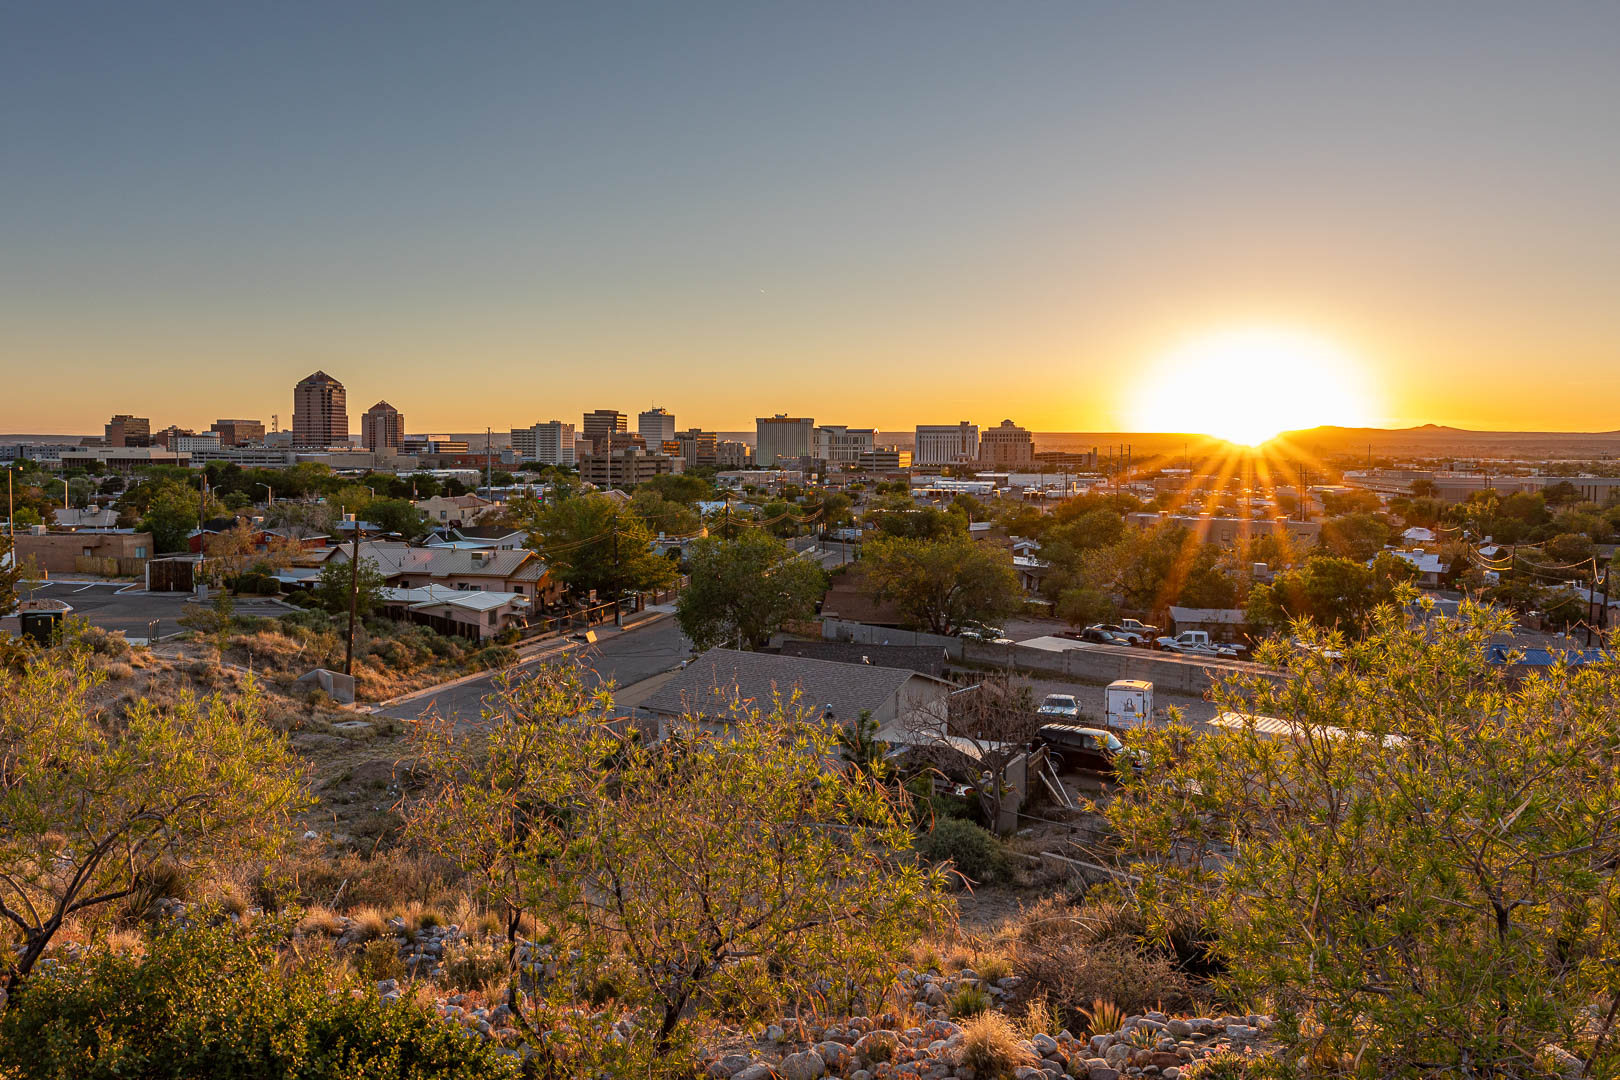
x=622 y=658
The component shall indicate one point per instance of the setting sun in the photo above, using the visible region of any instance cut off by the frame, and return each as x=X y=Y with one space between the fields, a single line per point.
x=1248 y=385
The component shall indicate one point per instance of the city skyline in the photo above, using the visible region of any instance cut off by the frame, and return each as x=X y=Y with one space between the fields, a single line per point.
x=894 y=216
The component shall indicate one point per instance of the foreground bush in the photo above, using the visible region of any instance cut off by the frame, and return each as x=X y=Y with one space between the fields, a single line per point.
x=707 y=869
x=214 y=1003
x=92 y=802
x=1418 y=866
x=975 y=853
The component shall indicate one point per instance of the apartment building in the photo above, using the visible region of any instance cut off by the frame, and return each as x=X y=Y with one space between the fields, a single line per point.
x=946 y=444
x=550 y=443
x=624 y=468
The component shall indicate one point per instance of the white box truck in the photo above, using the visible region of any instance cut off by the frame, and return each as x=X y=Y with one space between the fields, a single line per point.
x=1129 y=703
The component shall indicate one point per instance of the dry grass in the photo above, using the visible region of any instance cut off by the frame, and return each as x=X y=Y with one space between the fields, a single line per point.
x=321 y=919
x=369 y=923
x=990 y=1047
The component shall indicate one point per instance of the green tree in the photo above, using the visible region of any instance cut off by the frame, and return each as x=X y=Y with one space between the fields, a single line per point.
x=746 y=588
x=789 y=875
x=682 y=488
x=169 y=511
x=1357 y=536
x=395 y=516
x=1084 y=605
x=1417 y=869
x=664 y=515
x=337 y=581
x=1334 y=592
x=940 y=585
x=92 y=801
x=591 y=542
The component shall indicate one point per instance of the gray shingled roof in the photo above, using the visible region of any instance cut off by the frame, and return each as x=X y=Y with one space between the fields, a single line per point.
x=710 y=683
x=927 y=659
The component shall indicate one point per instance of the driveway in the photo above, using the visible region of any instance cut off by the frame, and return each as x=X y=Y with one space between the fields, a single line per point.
x=620 y=657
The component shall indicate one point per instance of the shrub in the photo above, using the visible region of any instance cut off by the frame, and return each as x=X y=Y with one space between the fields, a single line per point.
x=992 y=968
x=470 y=964
x=976 y=854
x=380 y=960
x=969 y=1000
x=879 y=1046
x=214 y=1002
x=1447 y=827
x=990 y=1047
x=1073 y=969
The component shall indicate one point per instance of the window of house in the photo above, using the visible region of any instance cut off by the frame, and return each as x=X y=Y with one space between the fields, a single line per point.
x=87 y=552
x=140 y=551
x=518 y=589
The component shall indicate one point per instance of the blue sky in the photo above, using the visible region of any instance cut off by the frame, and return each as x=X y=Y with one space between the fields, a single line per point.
x=874 y=214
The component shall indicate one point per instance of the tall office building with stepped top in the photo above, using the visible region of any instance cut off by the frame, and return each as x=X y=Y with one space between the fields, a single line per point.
x=320 y=412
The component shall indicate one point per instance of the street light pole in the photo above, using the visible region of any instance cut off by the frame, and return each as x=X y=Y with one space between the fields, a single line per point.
x=354 y=596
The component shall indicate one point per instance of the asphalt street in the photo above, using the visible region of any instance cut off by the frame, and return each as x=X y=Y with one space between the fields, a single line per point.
x=103 y=604
x=621 y=659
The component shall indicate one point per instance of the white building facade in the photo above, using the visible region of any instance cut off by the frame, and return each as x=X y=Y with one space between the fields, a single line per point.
x=946 y=444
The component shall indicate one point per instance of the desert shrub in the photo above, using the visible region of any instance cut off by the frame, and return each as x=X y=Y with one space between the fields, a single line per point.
x=879 y=1046
x=473 y=964
x=214 y=1002
x=976 y=854
x=1073 y=971
x=256 y=584
x=494 y=656
x=969 y=1000
x=96 y=640
x=992 y=968
x=991 y=1046
x=380 y=960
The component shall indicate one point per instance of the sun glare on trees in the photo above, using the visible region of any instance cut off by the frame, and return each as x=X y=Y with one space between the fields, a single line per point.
x=1246 y=386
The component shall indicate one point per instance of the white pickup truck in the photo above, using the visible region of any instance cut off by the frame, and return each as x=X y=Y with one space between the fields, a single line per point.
x=1198 y=643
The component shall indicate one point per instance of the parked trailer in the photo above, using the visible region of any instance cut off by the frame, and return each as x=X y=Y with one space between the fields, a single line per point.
x=1128 y=704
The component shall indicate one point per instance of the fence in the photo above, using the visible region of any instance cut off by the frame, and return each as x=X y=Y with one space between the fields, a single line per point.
x=1084 y=662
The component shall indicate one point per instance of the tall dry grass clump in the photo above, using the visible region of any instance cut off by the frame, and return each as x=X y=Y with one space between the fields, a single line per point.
x=991 y=1046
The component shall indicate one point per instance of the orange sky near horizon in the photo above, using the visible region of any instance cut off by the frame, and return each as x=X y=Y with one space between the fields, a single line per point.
x=876 y=216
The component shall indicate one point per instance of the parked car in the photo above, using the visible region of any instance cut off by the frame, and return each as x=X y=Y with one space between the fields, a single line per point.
x=1321 y=650
x=1198 y=643
x=1115 y=634
x=1060 y=705
x=979 y=632
x=1141 y=629
x=1080 y=749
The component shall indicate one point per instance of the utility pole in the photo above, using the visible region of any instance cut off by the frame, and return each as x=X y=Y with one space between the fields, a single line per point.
x=354 y=596
x=618 y=611
x=489 y=452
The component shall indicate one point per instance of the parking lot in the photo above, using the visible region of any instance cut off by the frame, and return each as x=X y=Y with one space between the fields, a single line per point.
x=134 y=613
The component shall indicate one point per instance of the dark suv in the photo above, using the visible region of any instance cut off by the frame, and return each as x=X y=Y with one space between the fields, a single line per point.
x=1080 y=749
